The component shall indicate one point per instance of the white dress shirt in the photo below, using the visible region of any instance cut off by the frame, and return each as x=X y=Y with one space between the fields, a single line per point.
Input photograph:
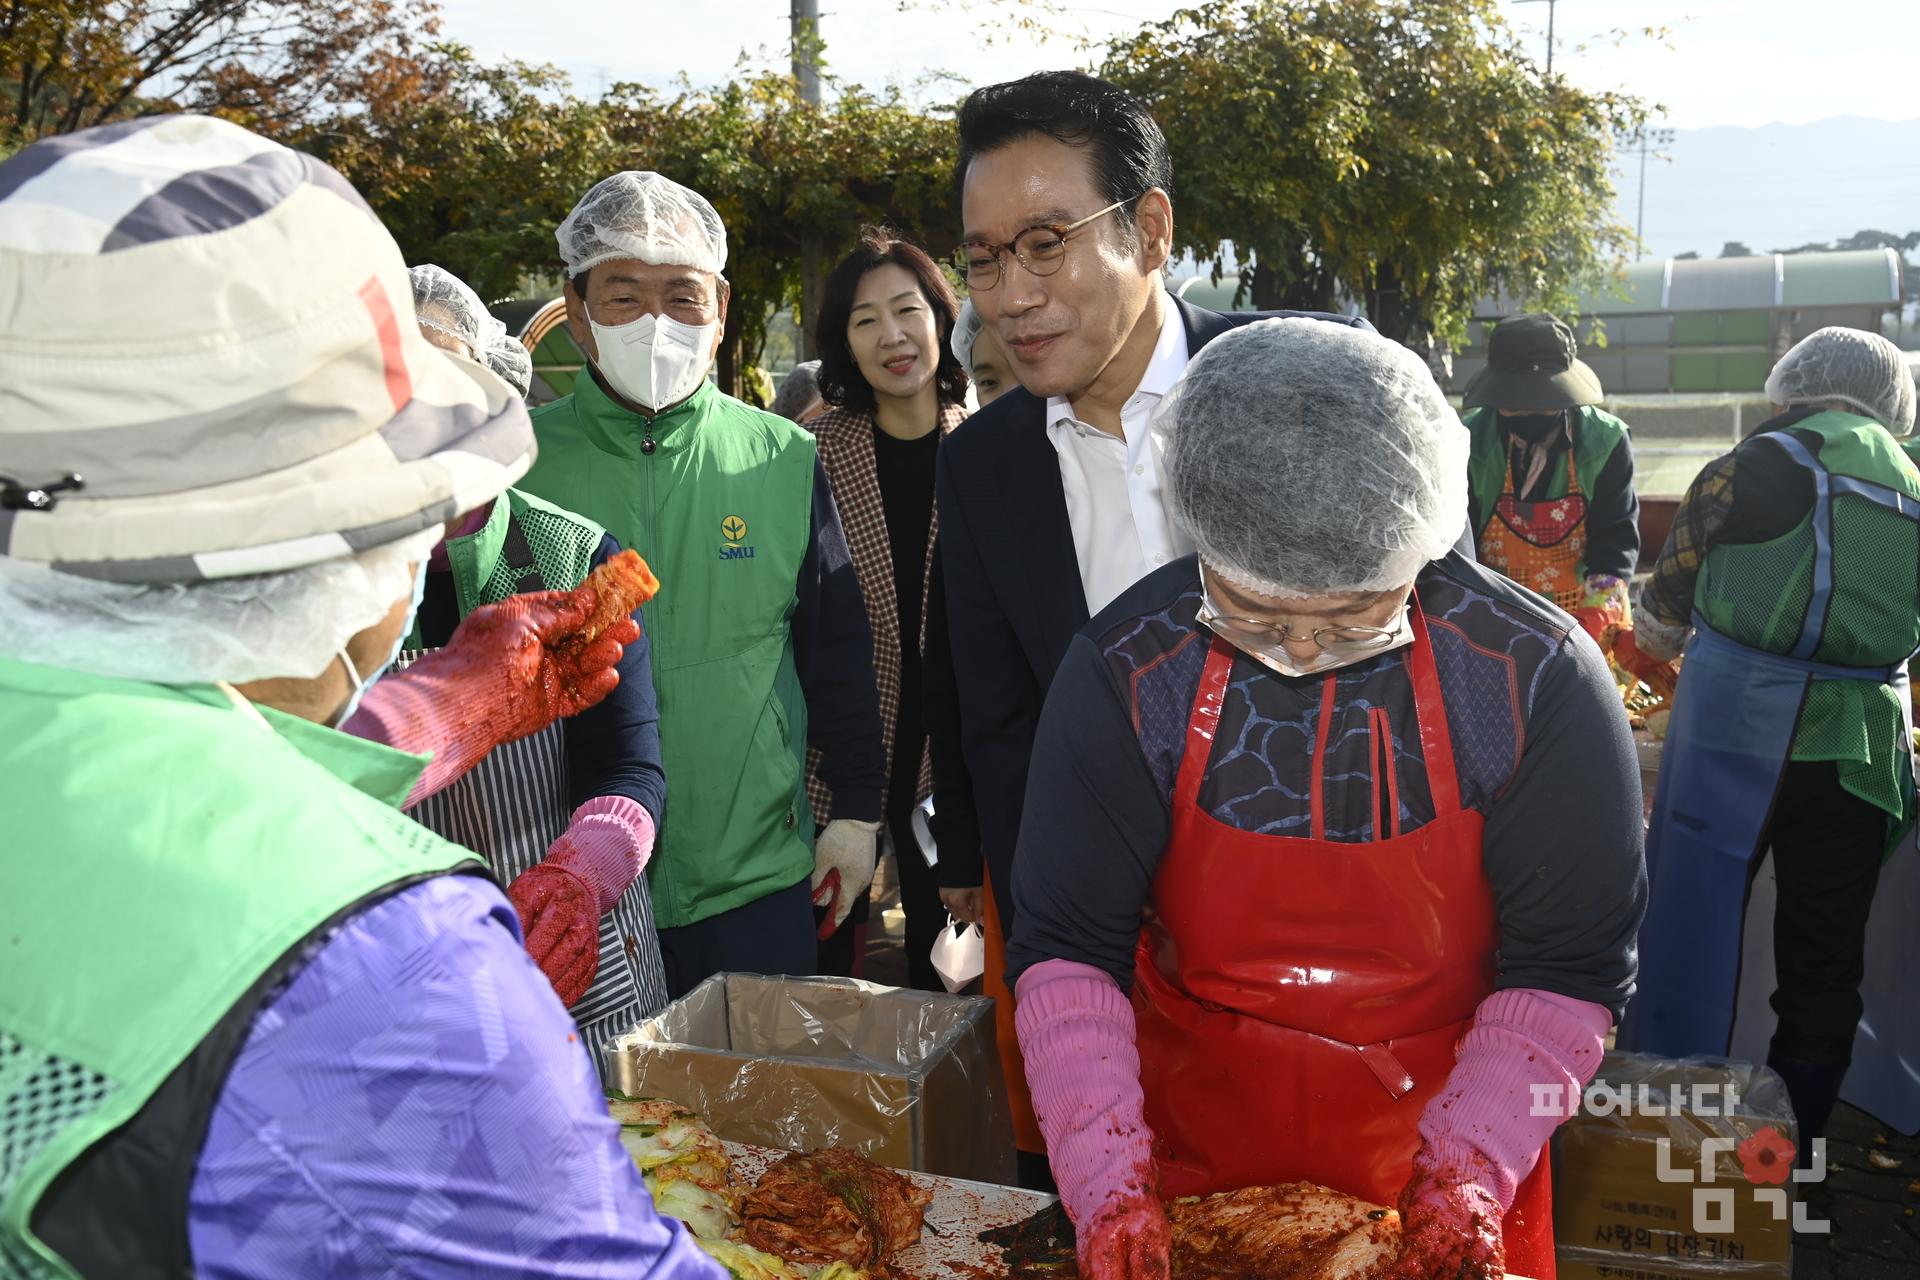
x=1115 y=498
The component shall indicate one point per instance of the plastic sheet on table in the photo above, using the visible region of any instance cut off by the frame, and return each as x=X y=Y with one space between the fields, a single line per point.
x=906 y=1078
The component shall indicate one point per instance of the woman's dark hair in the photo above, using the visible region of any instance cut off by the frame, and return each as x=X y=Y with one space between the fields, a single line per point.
x=841 y=382
x=1127 y=149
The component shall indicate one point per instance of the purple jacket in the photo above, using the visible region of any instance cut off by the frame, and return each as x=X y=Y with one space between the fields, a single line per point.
x=415 y=1103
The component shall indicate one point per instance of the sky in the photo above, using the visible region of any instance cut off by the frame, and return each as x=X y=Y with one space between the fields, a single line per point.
x=1723 y=66
x=1732 y=62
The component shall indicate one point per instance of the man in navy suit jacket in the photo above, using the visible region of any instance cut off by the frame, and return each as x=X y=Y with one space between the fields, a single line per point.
x=1050 y=499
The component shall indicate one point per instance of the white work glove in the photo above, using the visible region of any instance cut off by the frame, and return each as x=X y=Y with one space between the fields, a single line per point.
x=843 y=858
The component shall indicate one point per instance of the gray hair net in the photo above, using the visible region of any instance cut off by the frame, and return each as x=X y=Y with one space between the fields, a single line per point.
x=1309 y=459
x=966 y=329
x=443 y=302
x=800 y=388
x=234 y=629
x=1849 y=365
x=644 y=216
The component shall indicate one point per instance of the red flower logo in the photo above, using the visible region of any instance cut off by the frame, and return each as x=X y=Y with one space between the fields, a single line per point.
x=1767 y=1157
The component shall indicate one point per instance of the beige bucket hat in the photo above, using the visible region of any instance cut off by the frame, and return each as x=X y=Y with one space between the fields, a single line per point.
x=216 y=336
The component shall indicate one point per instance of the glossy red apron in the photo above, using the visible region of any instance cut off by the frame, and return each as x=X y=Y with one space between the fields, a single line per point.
x=1299 y=1000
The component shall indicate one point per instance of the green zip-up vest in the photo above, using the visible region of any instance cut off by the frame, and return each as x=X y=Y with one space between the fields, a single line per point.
x=718 y=497
x=562 y=544
x=1595 y=437
x=1758 y=594
x=164 y=850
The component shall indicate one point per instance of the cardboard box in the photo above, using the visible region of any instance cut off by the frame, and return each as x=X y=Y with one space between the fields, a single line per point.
x=1623 y=1205
x=908 y=1079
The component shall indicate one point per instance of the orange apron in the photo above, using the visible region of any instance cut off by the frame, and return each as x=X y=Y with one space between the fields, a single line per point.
x=1026 y=1128
x=1299 y=1000
x=1540 y=545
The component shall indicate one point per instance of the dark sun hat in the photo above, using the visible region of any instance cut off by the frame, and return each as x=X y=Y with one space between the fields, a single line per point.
x=1531 y=365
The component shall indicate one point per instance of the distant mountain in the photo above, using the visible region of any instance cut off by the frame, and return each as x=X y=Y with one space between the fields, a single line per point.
x=1775 y=187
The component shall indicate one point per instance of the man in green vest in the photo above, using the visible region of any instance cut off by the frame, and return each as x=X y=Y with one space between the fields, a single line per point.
x=1792 y=563
x=254 y=1021
x=1550 y=477
x=761 y=646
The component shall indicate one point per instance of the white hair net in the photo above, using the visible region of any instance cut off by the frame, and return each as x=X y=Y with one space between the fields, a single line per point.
x=1310 y=459
x=966 y=329
x=234 y=629
x=509 y=358
x=443 y=302
x=1849 y=365
x=644 y=216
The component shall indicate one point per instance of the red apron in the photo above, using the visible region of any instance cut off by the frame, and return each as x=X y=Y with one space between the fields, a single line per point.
x=1299 y=999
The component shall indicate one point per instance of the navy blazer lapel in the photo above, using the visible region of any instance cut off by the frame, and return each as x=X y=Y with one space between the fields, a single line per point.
x=1202 y=326
x=1040 y=535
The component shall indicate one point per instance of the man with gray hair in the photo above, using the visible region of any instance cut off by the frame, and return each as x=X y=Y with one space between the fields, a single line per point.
x=1331 y=766
x=1791 y=563
x=761 y=647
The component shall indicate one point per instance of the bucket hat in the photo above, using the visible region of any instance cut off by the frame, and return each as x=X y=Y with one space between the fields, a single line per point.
x=1531 y=365
x=216 y=336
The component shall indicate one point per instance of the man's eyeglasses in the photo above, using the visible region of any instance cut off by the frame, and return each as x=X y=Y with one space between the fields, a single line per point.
x=1041 y=249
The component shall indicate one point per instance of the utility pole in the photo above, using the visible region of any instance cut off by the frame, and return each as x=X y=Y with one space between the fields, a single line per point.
x=1551 y=6
x=805 y=18
x=1641 y=139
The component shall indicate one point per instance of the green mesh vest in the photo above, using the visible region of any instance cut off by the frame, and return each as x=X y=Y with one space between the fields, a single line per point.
x=1599 y=433
x=165 y=848
x=562 y=543
x=1759 y=594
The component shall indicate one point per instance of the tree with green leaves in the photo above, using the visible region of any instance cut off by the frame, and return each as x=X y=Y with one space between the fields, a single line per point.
x=1409 y=156
x=268 y=64
x=471 y=166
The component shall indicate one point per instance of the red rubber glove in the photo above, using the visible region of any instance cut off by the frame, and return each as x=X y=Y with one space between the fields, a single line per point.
x=1661 y=677
x=1450 y=1221
x=507 y=672
x=1594 y=622
x=1128 y=1239
x=561 y=921
x=602 y=851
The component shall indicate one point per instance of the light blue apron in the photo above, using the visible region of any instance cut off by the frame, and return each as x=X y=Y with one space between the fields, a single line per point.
x=1728 y=742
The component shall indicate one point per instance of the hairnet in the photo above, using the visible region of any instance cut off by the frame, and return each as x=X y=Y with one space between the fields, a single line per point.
x=1309 y=459
x=800 y=388
x=1849 y=365
x=509 y=357
x=644 y=216
x=966 y=328
x=235 y=629
x=443 y=302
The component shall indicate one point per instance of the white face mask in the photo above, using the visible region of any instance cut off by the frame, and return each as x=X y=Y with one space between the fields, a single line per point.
x=363 y=683
x=654 y=361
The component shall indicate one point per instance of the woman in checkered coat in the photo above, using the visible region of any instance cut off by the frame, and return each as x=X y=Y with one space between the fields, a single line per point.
x=894 y=389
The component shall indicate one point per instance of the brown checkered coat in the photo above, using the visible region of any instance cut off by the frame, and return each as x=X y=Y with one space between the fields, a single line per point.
x=846 y=450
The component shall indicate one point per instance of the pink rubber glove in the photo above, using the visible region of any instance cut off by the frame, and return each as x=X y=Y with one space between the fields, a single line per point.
x=1077 y=1032
x=562 y=898
x=504 y=674
x=1482 y=1134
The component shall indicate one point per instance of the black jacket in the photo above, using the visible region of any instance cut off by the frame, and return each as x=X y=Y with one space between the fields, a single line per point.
x=1012 y=602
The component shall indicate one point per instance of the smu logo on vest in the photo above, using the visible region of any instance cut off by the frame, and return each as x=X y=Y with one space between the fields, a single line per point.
x=734 y=530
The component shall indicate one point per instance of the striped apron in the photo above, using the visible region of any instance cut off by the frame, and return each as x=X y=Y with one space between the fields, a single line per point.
x=509 y=809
